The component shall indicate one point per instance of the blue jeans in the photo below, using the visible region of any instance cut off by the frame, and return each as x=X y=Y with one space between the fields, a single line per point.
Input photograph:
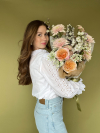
x=49 y=116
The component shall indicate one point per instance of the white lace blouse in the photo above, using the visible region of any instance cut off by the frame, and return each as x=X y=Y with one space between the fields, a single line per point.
x=46 y=82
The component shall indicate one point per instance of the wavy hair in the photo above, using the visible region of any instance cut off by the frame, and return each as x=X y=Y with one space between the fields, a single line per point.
x=26 y=50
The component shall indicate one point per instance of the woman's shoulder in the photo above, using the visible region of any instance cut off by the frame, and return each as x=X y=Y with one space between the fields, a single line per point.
x=36 y=59
x=41 y=55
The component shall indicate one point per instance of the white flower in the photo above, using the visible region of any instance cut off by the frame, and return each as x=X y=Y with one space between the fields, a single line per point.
x=80 y=43
x=53 y=59
x=73 y=42
x=83 y=37
x=76 y=57
x=78 y=39
x=52 y=55
x=70 y=33
x=78 y=48
x=82 y=33
x=79 y=33
x=87 y=46
x=56 y=63
x=69 y=38
x=68 y=30
x=61 y=63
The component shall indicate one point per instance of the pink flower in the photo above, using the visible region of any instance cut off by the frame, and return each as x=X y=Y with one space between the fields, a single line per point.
x=58 y=43
x=90 y=39
x=87 y=55
x=62 y=53
x=80 y=28
x=57 y=28
x=68 y=46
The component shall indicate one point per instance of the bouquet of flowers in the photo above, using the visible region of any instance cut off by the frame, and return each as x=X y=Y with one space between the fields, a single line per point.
x=69 y=52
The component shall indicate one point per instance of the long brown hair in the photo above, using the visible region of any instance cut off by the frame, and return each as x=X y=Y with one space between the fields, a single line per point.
x=26 y=50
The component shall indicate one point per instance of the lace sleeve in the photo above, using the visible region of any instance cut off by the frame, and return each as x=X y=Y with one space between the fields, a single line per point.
x=61 y=87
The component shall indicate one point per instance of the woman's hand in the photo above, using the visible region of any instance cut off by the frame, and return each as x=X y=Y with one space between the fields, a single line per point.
x=76 y=72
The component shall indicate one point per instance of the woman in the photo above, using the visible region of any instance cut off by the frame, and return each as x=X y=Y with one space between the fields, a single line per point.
x=48 y=87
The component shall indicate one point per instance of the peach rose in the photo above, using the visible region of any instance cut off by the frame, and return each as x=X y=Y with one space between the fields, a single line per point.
x=69 y=66
x=62 y=53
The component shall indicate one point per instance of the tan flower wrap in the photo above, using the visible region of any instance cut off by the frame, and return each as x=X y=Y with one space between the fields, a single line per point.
x=76 y=72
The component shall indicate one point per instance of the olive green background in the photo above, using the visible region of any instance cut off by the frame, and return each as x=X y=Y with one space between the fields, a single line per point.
x=16 y=101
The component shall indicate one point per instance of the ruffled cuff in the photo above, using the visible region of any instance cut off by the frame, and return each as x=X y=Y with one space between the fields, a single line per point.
x=81 y=87
x=78 y=85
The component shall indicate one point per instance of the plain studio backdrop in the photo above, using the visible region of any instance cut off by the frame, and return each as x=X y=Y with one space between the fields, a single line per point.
x=16 y=101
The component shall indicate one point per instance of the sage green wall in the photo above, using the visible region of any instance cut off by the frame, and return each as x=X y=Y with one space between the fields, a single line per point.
x=16 y=101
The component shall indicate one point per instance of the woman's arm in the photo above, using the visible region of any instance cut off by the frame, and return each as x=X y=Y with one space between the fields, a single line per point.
x=62 y=87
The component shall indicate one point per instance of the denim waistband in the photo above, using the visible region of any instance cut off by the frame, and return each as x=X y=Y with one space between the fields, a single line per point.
x=50 y=101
